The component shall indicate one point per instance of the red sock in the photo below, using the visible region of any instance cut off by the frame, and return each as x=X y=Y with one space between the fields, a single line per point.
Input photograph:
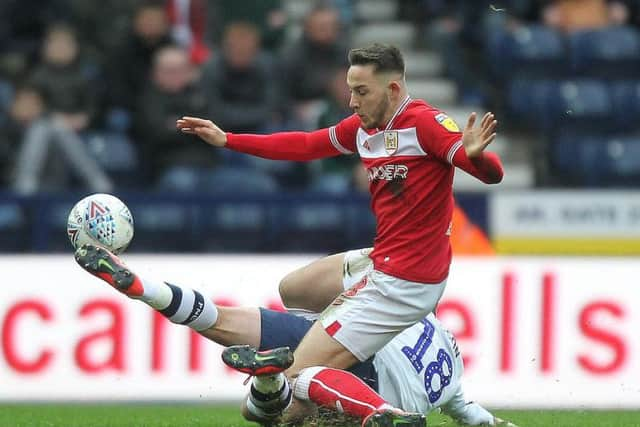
x=337 y=389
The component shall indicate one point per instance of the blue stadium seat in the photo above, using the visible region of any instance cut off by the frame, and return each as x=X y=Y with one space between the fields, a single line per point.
x=527 y=99
x=116 y=154
x=626 y=103
x=13 y=228
x=597 y=160
x=551 y=104
x=608 y=53
x=163 y=226
x=583 y=100
x=181 y=179
x=312 y=227
x=219 y=180
x=332 y=183
x=361 y=226
x=50 y=225
x=238 y=180
x=235 y=227
x=532 y=51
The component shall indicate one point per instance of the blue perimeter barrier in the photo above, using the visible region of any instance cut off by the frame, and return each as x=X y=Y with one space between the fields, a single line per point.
x=284 y=222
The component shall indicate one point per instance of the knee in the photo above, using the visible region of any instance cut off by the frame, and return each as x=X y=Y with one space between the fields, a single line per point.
x=290 y=291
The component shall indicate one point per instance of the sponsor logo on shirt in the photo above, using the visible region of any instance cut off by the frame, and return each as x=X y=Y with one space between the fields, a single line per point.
x=387 y=172
x=447 y=122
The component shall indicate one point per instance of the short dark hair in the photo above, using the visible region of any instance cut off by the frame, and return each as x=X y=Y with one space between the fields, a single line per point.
x=383 y=57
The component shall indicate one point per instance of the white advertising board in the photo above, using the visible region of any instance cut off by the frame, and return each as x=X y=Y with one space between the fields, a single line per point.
x=535 y=332
x=587 y=222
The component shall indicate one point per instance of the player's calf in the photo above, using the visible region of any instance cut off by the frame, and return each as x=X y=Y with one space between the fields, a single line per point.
x=342 y=391
x=181 y=305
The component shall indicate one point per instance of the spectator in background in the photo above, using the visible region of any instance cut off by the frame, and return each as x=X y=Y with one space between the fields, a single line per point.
x=239 y=81
x=309 y=63
x=50 y=153
x=65 y=79
x=102 y=24
x=242 y=92
x=26 y=107
x=625 y=12
x=171 y=91
x=130 y=62
x=577 y=15
x=188 y=19
x=23 y=26
x=580 y=15
x=456 y=31
x=267 y=15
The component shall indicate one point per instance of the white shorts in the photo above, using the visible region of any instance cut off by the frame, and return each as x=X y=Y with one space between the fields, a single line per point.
x=369 y=314
x=355 y=265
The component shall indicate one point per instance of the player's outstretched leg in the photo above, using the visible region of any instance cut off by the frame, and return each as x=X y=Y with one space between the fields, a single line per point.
x=270 y=393
x=343 y=391
x=181 y=305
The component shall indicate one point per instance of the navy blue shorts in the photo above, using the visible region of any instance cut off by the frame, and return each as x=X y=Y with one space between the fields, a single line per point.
x=286 y=330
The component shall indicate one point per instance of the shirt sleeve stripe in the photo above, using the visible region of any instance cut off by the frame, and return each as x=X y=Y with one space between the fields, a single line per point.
x=452 y=151
x=334 y=141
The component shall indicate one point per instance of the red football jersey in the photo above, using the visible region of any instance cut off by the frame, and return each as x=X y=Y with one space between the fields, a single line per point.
x=410 y=169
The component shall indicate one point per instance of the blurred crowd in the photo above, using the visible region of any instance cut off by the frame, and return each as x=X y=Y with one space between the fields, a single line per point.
x=562 y=73
x=90 y=91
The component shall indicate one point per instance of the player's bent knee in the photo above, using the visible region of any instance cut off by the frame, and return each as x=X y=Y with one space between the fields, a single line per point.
x=290 y=291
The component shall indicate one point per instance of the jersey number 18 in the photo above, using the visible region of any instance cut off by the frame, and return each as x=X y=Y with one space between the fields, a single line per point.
x=440 y=369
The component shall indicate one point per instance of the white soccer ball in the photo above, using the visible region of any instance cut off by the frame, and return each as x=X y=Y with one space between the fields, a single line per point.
x=103 y=220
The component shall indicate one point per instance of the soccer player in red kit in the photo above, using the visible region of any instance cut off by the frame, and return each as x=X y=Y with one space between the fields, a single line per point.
x=409 y=149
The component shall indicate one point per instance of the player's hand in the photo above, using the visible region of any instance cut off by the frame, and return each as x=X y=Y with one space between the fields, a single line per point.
x=475 y=140
x=205 y=129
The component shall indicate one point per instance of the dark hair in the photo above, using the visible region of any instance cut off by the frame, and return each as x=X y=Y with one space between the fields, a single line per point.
x=383 y=57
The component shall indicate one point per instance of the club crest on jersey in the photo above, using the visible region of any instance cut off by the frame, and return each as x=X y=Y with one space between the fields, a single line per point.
x=447 y=123
x=391 y=141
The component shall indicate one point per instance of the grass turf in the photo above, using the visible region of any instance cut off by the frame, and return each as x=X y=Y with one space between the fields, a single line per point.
x=184 y=415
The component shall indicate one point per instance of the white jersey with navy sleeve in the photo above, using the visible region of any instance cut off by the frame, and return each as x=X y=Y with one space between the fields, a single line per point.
x=421 y=368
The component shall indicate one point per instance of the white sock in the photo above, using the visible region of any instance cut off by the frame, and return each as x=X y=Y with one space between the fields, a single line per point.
x=157 y=295
x=269 y=383
x=270 y=395
x=185 y=306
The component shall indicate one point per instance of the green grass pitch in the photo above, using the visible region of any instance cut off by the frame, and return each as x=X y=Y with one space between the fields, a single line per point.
x=185 y=415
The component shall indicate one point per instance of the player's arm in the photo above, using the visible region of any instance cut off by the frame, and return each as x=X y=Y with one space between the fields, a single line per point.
x=474 y=160
x=297 y=146
x=439 y=135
